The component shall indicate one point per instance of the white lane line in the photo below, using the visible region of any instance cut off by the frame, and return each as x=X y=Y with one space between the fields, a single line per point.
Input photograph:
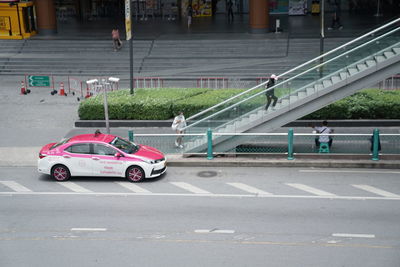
x=353 y=235
x=249 y=188
x=15 y=186
x=190 y=188
x=375 y=190
x=310 y=189
x=74 y=187
x=133 y=187
x=100 y=194
x=350 y=171
x=89 y=229
x=214 y=231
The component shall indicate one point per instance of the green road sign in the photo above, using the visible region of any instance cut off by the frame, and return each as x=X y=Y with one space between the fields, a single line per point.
x=39 y=81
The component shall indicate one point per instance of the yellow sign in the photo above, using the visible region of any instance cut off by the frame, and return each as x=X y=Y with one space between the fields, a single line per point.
x=128 y=23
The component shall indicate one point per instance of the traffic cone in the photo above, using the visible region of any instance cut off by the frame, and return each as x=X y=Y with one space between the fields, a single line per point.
x=23 y=89
x=62 y=91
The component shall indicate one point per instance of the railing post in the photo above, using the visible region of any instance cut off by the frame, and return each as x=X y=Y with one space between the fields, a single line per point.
x=375 y=145
x=209 y=144
x=130 y=134
x=290 y=144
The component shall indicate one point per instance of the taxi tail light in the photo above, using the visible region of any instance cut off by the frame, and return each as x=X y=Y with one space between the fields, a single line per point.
x=41 y=155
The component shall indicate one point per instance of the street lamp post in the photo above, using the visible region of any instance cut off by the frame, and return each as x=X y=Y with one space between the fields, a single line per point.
x=322 y=35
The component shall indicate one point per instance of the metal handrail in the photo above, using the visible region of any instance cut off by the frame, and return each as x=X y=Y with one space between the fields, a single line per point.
x=296 y=68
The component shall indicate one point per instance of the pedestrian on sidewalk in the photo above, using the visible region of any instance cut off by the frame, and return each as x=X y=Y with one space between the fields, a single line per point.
x=189 y=15
x=116 y=39
x=323 y=132
x=271 y=92
x=230 y=10
x=336 y=15
x=177 y=125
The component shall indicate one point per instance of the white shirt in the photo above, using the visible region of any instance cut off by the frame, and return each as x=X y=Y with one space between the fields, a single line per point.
x=180 y=122
x=323 y=131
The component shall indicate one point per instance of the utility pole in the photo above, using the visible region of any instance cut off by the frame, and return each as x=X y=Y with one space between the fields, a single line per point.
x=131 y=49
x=322 y=36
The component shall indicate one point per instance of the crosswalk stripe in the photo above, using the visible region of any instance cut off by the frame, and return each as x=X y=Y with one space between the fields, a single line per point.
x=310 y=189
x=375 y=190
x=133 y=187
x=74 y=187
x=15 y=186
x=249 y=188
x=190 y=188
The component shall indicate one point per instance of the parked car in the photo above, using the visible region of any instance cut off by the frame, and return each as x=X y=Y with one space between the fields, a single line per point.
x=100 y=155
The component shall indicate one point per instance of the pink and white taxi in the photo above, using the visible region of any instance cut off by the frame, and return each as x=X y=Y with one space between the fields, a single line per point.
x=100 y=155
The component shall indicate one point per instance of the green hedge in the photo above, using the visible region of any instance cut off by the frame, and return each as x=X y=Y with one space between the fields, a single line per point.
x=366 y=104
x=163 y=104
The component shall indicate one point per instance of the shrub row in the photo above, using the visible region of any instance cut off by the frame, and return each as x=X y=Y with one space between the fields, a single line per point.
x=163 y=104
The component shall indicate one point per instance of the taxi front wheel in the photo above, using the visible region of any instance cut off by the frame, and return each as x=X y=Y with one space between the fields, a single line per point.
x=135 y=174
x=60 y=173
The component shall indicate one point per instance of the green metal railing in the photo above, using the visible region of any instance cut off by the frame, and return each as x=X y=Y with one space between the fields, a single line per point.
x=286 y=144
x=309 y=74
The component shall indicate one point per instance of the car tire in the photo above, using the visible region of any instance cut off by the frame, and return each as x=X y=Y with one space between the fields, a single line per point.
x=135 y=174
x=60 y=173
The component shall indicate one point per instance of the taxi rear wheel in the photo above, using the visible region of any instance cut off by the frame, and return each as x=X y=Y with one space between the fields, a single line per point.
x=60 y=173
x=135 y=174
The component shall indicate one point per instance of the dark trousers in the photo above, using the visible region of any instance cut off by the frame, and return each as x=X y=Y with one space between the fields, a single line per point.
x=230 y=14
x=336 y=21
x=269 y=100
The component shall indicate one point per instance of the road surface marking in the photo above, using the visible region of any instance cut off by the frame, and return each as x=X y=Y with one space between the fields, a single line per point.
x=353 y=235
x=15 y=186
x=310 y=189
x=249 y=188
x=212 y=231
x=375 y=190
x=74 y=187
x=133 y=187
x=190 y=188
x=350 y=171
x=100 y=194
x=89 y=229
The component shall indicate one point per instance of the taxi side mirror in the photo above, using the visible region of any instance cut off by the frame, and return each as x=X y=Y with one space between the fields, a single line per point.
x=118 y=155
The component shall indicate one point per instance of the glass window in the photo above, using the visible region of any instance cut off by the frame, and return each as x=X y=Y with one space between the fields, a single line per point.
x=79 y=149
x=124 y=145
x=103 y=150
x=63 y=141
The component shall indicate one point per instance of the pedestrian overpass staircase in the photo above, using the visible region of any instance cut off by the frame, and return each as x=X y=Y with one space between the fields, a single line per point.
x=304 y=89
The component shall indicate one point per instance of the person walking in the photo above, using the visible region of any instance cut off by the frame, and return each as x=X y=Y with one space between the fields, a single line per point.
x=324 y=132
x=116 y=39
x=230 y=10
x=177 y=125
x=271 y=93
x=189 y=15
x=336 y=16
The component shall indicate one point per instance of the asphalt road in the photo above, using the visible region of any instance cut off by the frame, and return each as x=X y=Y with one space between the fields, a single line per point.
x=202 y=217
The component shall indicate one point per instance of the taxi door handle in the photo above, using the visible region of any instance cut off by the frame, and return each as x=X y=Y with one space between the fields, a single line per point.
x=95 y=158
x=66 y=156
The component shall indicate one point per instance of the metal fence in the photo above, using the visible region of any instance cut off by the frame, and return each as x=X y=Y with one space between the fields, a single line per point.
x=289 y=144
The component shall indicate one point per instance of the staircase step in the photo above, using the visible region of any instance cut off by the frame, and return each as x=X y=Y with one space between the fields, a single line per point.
x=327 y=83
x=344 y=75
x=361 y=67
x=396 y=50
x=293 y=98
x=389 y=54
x=379 y=59
x=318 y=87
x=370 y=63
x=335 y=79
x=302 y=94
x=310 y=90
x=352 y=71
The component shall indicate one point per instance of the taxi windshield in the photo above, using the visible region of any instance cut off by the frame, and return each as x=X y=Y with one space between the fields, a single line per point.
x=124 y=145
x=63 y=141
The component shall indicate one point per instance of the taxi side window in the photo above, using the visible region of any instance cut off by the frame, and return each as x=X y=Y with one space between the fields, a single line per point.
x=79 y=149
x=99 y=149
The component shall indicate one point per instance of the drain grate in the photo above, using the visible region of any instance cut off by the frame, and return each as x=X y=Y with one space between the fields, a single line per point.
x=207 y=174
